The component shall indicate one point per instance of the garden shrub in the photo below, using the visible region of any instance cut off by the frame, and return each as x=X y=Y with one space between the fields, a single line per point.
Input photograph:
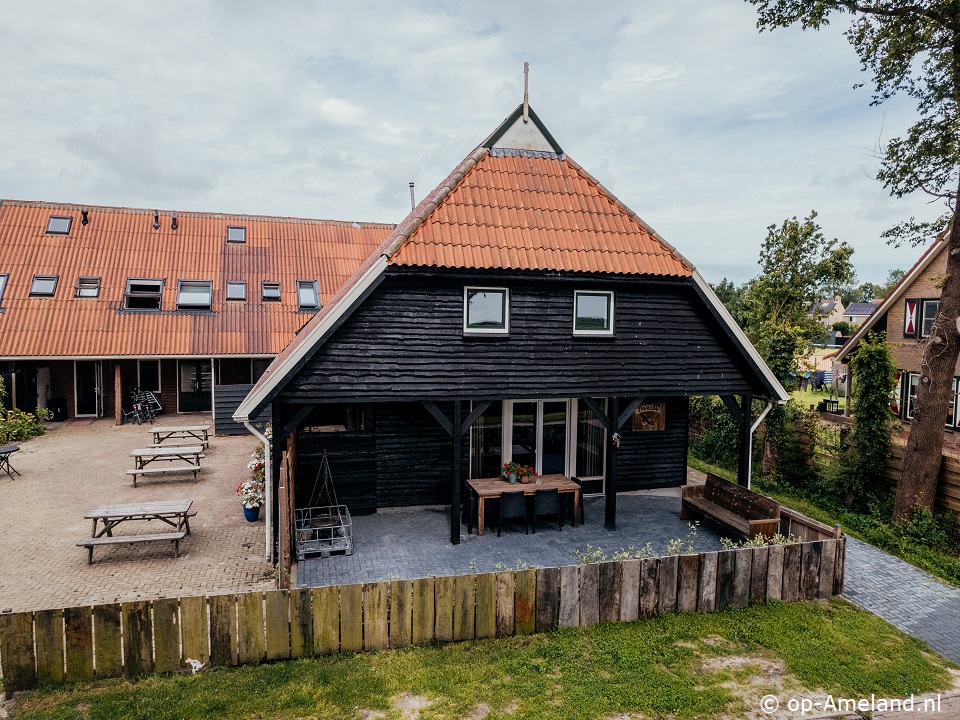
x=17 y=425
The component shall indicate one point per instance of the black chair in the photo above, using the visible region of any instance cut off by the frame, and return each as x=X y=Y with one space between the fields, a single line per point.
x=513 y=505
x=547 y=502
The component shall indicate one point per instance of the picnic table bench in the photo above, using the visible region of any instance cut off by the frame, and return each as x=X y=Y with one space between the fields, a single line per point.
x=5 y=452
x=193 y=434
x=745 y=512
x=175 y=513
x=188 y=454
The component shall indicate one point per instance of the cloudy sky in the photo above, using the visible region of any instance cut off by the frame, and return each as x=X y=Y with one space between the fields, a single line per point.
x=706 y=128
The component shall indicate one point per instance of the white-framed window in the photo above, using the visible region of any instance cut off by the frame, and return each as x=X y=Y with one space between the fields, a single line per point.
x=59 y=225
x=952 y=410
x=194 y=294
x=592 y=312
x=896 y=395
x=148 y=375
x=270 y=291
x=3 y=286
x=308 y=296
x=236 y=290
x=928 y=314
x=913 y=382
x=87 y=287
x=44 y=285
x=143 y=294
x=236 y=233
x=486 y=310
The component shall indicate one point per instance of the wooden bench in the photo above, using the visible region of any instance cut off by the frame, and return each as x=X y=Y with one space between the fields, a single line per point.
x=90 y=543
x=160 y=470
x=742 y=511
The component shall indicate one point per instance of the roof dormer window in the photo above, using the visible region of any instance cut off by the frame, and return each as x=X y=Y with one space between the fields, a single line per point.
x=59 y=225
x=270 y=291
x=194 y=295
x=143 y=294
x=236 y=234
x=308 y=297
x=87 y=287
x=44 y=285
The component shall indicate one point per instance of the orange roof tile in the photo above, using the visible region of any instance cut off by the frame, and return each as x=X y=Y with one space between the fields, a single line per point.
x=120 y=243
x=535 y=211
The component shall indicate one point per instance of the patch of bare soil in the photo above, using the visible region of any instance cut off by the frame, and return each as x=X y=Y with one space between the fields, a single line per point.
x=479 y=712
x=410 y=705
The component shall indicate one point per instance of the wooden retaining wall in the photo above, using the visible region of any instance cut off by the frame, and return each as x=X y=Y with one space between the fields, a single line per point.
x=135 y=638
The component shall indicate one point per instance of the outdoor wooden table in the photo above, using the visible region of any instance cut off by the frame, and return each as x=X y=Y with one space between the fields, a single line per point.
x=487 y=488
x=188 y=454
x=5 y=452
x=192 y=433
x=175 y=513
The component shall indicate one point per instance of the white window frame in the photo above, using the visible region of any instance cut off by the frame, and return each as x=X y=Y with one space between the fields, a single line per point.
x=53 y=291
x=89 y=279
x=908 y=405
x=128 y=293
x=923 y=332
x=505 y=330
x=159 y=387
x=240 y=236
x=263 y=287
x=4 y=281
x=208 y=284
x=68 y=218
x=313 y=285
x=608 y=331
x=236 y=283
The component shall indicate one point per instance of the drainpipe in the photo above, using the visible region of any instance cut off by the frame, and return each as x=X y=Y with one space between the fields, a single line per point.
x=753 y=428
x=267 y=487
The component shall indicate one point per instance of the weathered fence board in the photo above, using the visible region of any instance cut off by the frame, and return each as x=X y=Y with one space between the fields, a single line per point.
x=589 y=594
x=630 y=590
x=251 y=646
x=828 y=557
x=223 y=630
x=106 y=642
x=444 y=609
x=758 y=575
x=137 y=638
x=78 y=633
x=193 y=628
x=48 y=626
x=610 y=581
x=791 y=573
x=548 y=599
x=525 y=595
x=839 y=566
x=351 y=618
x=726 y=579
x=16 y=652
x=276 y=608
x=326 y=620
x=743 y=569
x=166 y=635
x=506 y=624
x=486 y=605
x=401 y=613
x=375 y=632
x=810 y=570
x=707 y=583
x=301 y=623
x=569 y=596
x=774 y=572
x=688 y=570
x=424 y=611
x=464 y=607
x=667 y=587
x=649 y=582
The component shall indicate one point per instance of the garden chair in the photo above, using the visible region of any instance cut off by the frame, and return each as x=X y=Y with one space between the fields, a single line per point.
x=547 y=502
x=513 y=505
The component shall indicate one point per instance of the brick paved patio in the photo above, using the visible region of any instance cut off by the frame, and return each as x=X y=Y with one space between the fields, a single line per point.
x=74 y=468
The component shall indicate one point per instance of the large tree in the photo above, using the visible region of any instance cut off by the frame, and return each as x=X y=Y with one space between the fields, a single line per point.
x=913 y=47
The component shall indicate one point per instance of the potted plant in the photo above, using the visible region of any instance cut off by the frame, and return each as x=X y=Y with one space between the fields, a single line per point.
x=525 y=472
x=251 y=491
x=510 y=471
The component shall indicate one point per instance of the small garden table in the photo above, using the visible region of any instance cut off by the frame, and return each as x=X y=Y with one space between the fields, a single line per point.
x=5 y=452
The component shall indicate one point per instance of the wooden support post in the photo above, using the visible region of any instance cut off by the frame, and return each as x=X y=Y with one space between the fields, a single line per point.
x=610 y=505
x=117 y=393
x=455 y=490
x=745 y=446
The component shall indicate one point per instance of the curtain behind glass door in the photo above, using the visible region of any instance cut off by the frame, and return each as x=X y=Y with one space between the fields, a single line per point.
x=590 y=441
x=554 y=454
x=486 y=437
x=525 y=433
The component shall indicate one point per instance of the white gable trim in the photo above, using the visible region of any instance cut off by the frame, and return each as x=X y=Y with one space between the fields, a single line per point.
x=523 y=136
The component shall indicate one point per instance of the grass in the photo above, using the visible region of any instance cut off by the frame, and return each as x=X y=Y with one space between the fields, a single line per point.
x=810 y=397
x=676 y=666
x=869 y=528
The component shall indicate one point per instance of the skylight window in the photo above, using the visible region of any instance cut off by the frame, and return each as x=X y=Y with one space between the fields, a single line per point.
x=3 y=286
x=143 y=294
x=236 y=233
x=59 y=224
x=194 y=294
x=87 y=287
x=270 y=291
x=236 y=291
x=308 y=297
x=43 y=285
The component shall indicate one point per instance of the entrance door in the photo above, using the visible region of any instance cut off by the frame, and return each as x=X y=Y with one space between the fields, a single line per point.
x=539 y=431
x=87 y=382
x=194 y=387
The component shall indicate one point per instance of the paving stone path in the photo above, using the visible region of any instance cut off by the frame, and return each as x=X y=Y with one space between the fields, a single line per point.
x=904 y=596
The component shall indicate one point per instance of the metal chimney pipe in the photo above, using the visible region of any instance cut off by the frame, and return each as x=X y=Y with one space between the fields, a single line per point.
x=413 y=200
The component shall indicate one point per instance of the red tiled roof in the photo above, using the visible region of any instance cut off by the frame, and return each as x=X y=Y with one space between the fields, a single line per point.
x=535 y=211
x=120 y=243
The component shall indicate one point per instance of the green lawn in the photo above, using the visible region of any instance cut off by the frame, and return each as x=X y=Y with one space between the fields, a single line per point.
x=678 y=666
x=808 y=398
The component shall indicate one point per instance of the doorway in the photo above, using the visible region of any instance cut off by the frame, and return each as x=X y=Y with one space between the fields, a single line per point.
x=194 y=386
x=88 y=388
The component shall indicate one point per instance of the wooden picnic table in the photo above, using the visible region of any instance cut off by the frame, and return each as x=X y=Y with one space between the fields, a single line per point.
x=175 y=513
x=5 y=452
x=487 y=488
x=188 y=454
x=192 y=433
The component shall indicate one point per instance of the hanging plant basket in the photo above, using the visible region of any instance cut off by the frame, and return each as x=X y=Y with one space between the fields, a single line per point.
x=325 y=527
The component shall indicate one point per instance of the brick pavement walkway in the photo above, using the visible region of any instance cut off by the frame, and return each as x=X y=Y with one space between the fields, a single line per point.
x=904 y=596
x=74 y=468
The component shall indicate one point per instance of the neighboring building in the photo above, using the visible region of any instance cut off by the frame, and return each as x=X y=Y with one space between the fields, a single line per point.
x=95 y=301
x=906 y=315
x=527 y=313
x=857 y=313
x=828 y=311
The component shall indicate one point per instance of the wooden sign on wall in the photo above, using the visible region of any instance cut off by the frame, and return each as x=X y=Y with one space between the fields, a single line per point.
x=650 y=417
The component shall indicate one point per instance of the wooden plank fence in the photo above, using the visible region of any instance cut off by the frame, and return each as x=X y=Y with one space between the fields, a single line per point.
x=136 y=638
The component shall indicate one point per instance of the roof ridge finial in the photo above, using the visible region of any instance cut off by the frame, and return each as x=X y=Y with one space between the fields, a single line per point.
x=526 y=94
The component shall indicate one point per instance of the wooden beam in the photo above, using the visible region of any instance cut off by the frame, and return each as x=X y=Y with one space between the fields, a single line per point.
x=625 y=415
x=117 y=393
x=438 y=416
x=731 y=403
x=290 y=426
x=745 y=444
x=455 y=432
x=610 y=504
x=598 y=411
x=479 y=410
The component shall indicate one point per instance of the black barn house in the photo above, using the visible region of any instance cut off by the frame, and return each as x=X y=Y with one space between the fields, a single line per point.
x=520 y=312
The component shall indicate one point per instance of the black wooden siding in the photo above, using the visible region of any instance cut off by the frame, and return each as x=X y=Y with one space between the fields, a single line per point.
x=655 y=459
x=406 y=342
x=226 y=400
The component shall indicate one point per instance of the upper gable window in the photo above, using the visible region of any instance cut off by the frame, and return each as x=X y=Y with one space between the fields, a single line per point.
x=87 y=287
x=143 y=294
x=486 y=310
x=44 y=285
x=59 y=224
x=194 y=295
x=270 y=291
x=236 y=234
x=236 y=290
x=3 y=286
x=592 y=313
x=308 y=297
